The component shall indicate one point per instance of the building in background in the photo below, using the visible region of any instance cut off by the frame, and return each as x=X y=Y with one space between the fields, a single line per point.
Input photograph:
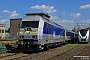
x=2 y=31
x=14 y=25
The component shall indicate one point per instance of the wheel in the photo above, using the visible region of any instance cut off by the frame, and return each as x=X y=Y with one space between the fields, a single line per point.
x=46 y=47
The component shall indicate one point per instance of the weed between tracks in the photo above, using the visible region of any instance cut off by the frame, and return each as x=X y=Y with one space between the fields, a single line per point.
x=67 y=47
x=69 y=51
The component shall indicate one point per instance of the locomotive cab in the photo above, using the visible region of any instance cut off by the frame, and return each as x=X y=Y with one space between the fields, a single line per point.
x=84 y=35
x=30 y=32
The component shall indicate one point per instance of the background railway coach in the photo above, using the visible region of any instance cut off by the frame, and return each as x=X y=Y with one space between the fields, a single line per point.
x=70 y=36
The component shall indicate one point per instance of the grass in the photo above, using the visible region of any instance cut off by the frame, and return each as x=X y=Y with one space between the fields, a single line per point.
x=89 y=42
x=67 y=47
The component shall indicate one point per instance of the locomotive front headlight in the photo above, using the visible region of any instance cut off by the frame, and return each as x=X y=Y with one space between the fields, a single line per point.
x=21 y=36
x=35 y=42
x=86 y=36
x=35 y=36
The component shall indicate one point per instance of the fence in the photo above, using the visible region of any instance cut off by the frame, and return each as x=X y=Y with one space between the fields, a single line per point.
x=2 y=47
x=11 y=36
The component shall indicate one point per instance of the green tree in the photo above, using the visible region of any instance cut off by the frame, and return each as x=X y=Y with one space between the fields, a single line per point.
x=8 y=30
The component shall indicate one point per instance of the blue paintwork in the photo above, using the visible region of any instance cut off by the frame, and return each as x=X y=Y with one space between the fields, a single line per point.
x=51 y=29
x=68 y=33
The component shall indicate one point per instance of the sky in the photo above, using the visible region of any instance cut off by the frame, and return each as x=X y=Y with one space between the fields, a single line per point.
x=66 y=13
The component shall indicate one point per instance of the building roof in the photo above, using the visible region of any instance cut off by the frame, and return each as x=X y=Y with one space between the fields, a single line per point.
x=16 y=19
x=2 y=25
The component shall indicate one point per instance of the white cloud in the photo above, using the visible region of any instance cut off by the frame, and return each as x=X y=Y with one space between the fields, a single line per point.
x=3 y=21
x=6 y=22
x=67 y=21
x=63 y=13
x=13 y=14
x=53 y=17
x=46 y=9
x=85 y=6
x=86 y=21
x=84 y=24
x=6 y=11
x=68 y=24
x=75 y=14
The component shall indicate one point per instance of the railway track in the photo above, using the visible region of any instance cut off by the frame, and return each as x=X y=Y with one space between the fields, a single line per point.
x=84 y=54
x=77 y=53
x=24 y=55
x=34 y=55
x=51 y=54
x=47 y=54
x=14 y=54
x=79 y=49
x=62 y=53
x=6 y=55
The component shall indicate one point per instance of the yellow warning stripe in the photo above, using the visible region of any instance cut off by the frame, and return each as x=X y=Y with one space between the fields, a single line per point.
x=33 y=31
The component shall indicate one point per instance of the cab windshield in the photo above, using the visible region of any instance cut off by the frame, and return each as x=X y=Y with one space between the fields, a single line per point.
x=83 y=32
x=32 y=24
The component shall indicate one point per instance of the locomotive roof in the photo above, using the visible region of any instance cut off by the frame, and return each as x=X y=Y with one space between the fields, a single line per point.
x=41 y=14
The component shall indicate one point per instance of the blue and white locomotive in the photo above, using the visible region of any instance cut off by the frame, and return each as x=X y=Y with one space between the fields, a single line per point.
x=84 y=35
x=37 y=32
